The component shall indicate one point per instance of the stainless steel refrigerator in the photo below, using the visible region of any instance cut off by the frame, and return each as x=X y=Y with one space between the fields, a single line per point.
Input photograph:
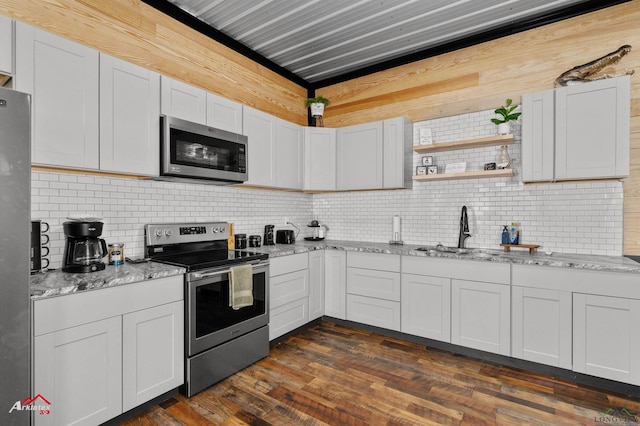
x=15 y=213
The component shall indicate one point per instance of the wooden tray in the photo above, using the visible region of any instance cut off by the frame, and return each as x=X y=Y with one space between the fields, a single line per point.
x=532 y=247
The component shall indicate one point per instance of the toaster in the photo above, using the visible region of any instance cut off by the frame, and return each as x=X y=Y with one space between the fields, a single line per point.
x=285 y=236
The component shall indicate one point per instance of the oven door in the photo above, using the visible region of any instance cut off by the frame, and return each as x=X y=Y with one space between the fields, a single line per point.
x=211 y=321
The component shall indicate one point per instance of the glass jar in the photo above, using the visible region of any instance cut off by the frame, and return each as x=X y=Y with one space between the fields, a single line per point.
x=504 y=160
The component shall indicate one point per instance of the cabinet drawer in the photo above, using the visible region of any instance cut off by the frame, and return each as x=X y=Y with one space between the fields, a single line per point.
x=58 y=313
x=458 y=269
x=380 y=262
x=288 y=317
x=616 y=284
x=371 y=311
x=288 y=287
x=286 y=264
x=379 y=284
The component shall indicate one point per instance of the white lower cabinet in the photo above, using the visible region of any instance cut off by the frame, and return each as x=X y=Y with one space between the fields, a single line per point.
x=103 y=352
x=288 y=294
x=79 y=371
x=335 y=284
x=480 y=316
x=605 y=337
x=541 y=326
x=373 y=289
x=152 y=355
x=316 y=284
x=426 y=306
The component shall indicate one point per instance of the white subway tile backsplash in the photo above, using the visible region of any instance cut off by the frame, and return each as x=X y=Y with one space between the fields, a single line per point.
x=126 y=205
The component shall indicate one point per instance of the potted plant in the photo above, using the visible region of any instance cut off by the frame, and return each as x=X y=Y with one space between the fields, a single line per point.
x=317 y=105
x=508 y=114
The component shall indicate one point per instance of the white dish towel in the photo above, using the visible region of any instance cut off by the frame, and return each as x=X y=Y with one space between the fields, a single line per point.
x=241 y=286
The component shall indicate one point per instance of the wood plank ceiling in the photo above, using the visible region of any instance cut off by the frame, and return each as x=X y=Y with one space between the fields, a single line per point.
x=321 y=42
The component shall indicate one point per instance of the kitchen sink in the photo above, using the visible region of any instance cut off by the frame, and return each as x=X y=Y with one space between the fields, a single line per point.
x=445 y=249
x=477 y=253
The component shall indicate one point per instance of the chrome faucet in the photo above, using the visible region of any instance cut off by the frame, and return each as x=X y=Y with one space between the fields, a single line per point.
x=464 y=227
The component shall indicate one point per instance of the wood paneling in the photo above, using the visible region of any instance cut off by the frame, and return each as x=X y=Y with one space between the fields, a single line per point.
x=505 y=68
x=138 y=33
x=331 y=374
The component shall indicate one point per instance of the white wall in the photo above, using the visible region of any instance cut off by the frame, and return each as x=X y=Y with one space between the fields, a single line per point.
x=581 y=217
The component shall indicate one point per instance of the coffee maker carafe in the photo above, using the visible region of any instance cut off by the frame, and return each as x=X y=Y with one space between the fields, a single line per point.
x=83 y=250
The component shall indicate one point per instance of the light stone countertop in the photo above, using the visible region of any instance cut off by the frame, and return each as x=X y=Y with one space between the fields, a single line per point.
x=56 y=283
x=516 y=256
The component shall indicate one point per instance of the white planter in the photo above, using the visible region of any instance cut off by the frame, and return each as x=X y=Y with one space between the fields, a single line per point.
x=504 y=128
x=317 y=109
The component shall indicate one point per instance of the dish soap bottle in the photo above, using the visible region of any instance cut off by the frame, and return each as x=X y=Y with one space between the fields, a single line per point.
x=505 y=235
x=514 y=235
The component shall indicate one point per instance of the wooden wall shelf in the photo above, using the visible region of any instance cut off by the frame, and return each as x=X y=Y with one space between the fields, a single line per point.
x=464 y=144
x=466 y=175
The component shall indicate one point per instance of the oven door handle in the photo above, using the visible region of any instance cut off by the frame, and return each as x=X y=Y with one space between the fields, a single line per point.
x=203 y=275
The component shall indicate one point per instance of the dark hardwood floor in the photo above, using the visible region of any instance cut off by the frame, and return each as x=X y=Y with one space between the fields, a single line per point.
x=332 y=374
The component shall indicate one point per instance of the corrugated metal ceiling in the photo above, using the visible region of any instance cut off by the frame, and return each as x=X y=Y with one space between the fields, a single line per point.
x=323 y=40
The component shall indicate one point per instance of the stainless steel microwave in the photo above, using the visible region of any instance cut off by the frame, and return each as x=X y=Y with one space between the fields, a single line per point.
x=195 y=151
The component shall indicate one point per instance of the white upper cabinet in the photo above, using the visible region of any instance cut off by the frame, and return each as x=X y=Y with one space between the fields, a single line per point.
x=260 y=128
x=62 y=76
x=274 y=150
x=289 y=155
x=585 y=126
x=183 y=101
x=593 y=129
x=129 y=117
x=224 y=114
x=6 y=45
x=538 y=136
x=319 y=159
x=397 y=153
x=360 y=151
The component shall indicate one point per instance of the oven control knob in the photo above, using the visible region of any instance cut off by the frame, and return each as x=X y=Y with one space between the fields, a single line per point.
x=215 y=229
x=158 y=233
x=222 y=229
x=168 y=232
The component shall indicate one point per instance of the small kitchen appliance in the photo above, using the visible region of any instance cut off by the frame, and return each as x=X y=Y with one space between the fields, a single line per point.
x=317 y=231
x=285 y=236
x=83 y=250
x=255 y=240
x=268 y=235
x=220 y=339
x=194 y=151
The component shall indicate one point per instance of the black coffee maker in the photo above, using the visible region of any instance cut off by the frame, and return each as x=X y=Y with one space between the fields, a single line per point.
x=83 y=251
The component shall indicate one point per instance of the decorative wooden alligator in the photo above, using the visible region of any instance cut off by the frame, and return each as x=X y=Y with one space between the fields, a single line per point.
x=585 y=72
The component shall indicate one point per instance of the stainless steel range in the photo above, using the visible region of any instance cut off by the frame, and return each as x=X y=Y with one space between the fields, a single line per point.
x=219 y=340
